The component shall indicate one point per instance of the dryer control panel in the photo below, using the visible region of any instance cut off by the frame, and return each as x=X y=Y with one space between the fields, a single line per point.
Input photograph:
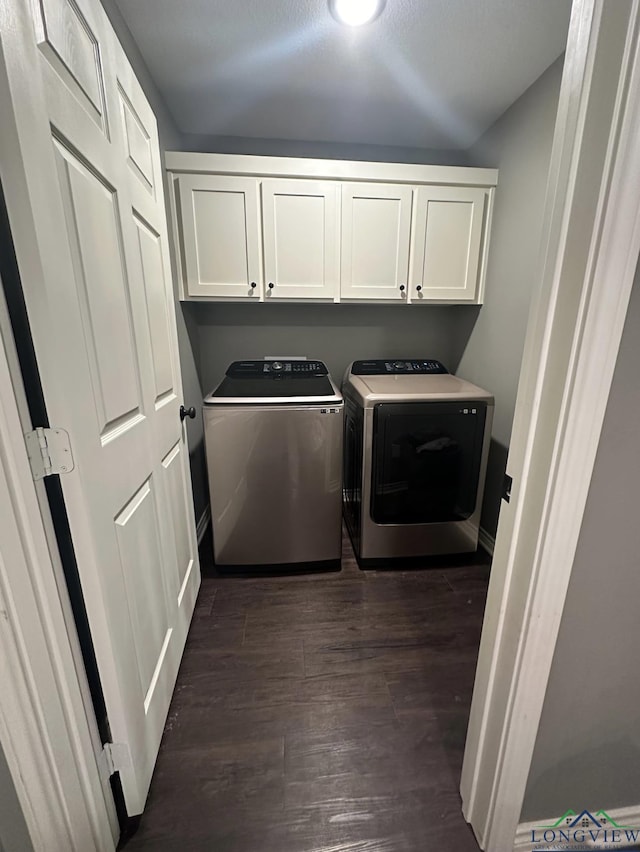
x=397 y=365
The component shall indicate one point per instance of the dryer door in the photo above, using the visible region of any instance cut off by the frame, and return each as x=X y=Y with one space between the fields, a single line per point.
x=427 y=458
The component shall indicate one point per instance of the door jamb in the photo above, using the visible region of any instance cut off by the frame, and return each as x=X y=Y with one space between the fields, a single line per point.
x=558 y=421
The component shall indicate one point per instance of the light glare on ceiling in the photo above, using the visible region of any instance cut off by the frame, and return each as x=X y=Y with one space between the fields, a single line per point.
x=355 y=12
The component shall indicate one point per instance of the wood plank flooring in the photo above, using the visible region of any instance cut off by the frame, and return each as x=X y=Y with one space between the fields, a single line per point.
x=321 y=713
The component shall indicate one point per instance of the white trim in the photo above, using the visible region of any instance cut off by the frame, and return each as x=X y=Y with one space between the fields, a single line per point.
x=203 y=524
x=486 y=246
x=623 y=816
x=573 y=339
x=300 y=167
x=486 y=540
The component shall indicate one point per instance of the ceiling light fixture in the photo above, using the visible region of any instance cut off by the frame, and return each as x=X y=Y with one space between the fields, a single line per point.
x=354 y=13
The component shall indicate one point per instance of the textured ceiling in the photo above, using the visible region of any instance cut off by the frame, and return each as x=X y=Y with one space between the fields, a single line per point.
x=426 y=73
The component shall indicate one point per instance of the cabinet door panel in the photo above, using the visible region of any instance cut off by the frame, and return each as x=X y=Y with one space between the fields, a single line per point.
x=220 y=228
x=300 y=227
x=447 y=242
x=376 y=223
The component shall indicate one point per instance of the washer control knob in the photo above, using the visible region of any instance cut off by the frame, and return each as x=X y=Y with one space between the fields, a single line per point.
x=276 y=366
x=399 y=365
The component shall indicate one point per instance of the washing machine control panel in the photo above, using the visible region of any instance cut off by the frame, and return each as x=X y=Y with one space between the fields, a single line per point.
x=401 y=365
x=272 y=368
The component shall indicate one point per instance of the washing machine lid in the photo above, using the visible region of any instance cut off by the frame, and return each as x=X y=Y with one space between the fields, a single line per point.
x=275 y=381
x=413 y=387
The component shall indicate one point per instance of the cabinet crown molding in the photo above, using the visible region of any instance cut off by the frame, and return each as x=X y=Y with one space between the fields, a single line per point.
x=186 y=162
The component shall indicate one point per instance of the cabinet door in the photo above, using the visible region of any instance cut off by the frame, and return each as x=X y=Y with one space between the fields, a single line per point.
x=300 y=228
x=220 y=235
x=376 y=223
x=447 y=241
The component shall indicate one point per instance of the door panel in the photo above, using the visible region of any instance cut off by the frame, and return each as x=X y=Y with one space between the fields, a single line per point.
x=176 y=486
x=91 y=244
x=376 y=223
x=70 y=43
x=96 y=243
x=301 y=249
x=220 y=227
x=152 y=272
x=137 y=531
x=138 y=142
x=447 y=242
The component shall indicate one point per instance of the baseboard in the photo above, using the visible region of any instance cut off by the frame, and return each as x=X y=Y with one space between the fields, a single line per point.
x=622 y=816
x=203 y=523
x=487 y=541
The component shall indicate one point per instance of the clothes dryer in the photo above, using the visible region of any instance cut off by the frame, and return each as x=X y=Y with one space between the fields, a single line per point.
x=415 y=458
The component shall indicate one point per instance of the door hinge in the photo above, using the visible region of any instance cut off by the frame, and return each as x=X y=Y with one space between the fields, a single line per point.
x=507 y=485
x=114 y=757
x=49 y=452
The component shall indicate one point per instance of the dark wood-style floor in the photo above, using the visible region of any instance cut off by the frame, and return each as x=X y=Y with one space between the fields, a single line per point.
x=321 y=713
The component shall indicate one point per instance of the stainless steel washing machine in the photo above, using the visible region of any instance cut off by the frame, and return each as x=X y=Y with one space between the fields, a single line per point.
x=273 y=437
x=416 y=447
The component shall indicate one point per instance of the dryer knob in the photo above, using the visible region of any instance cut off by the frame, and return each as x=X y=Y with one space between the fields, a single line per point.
x=276 y=366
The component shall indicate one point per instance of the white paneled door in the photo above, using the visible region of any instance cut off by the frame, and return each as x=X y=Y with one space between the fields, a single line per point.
x=83 y=181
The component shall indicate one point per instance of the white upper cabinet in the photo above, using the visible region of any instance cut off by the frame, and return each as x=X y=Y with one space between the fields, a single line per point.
x=447 y=243
x=376 y=227
x=220 y=227
x=267 y=229
x=300 y=222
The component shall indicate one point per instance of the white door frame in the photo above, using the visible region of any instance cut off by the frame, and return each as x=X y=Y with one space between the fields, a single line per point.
x=45 y=732
x=588 y=258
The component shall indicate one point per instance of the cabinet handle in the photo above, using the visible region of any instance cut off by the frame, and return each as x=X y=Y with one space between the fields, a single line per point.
x=253 y=285
x=419 y=287
x=271 y=285
x=402 y=288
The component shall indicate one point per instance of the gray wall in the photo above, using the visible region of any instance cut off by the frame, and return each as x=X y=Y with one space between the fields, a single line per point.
x=587 y=753
x=337 y=334
x=171 y=139
x=322 y=150
x=14 y=836
x=490 y=339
